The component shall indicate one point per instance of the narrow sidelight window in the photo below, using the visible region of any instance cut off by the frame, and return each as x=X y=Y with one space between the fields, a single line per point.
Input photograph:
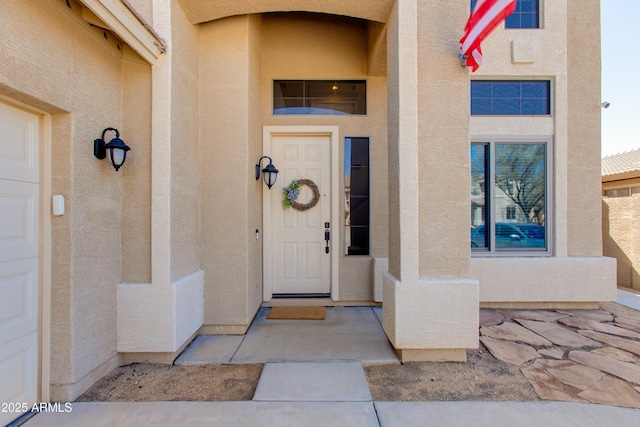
x=356 y=191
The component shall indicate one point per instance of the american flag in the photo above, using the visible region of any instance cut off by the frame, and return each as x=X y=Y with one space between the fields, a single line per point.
x=486 y=15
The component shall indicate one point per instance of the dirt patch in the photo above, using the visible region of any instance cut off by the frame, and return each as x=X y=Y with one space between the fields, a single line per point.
x=481 y=378
x=155 y=383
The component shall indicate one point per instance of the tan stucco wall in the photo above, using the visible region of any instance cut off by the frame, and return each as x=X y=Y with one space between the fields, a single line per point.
x=621 y=237
x=424 y=302
x=239 y=58
x=254 y=190
x=229 y=146
x=144 y=8
x=56 y=62
x=304 y=46
x=200 y=11
x=545 y=57
x=583 y=76
x=185 y=137
x=443 y=138
x=136 y=190
x=564 y=52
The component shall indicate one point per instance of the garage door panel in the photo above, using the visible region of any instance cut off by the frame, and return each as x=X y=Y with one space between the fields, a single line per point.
x=19 y=145
x=19 y=252
x=19 y=206
x=18 y=368
x=18 y=298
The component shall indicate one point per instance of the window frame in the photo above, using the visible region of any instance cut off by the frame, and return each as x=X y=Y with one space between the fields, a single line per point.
x=490 y=225
x=306 y=97
x=528 y=28
x=521 y=80
x=346 y=227
x=540 y=16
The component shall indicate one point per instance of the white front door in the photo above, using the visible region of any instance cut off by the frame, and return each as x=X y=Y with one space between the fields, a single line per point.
x=19 y=251
x=297 y=255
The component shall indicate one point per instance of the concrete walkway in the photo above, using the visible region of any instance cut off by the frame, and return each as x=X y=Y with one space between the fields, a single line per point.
x=313 y=376
x=629 y=299
x=353 y=333
x=340 y=414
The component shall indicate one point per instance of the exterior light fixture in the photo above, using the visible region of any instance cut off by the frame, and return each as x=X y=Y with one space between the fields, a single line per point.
x=604 y=104
x=117 y=149
x=270 y=173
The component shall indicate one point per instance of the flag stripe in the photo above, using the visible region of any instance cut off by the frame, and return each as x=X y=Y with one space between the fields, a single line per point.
x=487 y=22
x=485 y=17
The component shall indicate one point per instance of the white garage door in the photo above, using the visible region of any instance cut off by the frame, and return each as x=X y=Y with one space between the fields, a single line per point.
x=19 y=249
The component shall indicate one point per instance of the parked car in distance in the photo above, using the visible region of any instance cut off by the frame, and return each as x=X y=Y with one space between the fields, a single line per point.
x=510 y=235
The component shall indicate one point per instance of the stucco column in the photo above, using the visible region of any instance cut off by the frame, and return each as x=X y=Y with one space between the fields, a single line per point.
x=430 y=311
x=160 y=317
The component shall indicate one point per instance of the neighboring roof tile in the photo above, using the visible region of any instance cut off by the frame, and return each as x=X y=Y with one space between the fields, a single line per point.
x=619 y=163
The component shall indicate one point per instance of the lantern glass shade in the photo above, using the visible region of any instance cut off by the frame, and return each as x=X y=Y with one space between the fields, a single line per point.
x=118 y=155
x=117 y=152
x=117 y=149
x=270 y=174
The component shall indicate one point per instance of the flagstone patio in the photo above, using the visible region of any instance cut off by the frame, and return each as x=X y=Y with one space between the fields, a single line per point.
x=588 y=356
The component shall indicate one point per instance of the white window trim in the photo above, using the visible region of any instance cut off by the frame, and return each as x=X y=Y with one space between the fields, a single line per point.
x=492 y=140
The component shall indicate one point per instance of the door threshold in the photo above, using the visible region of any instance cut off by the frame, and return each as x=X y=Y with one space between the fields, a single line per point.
x=301 y=296
x=317 y=302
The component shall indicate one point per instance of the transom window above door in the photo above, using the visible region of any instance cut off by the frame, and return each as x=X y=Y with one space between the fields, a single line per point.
x=320 y=97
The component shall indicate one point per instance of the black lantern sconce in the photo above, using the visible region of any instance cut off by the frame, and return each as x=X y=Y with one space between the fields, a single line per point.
x=117 y=149
x=270 y=173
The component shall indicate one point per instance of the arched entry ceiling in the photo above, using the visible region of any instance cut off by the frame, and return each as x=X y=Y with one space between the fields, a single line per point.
x=199 y=11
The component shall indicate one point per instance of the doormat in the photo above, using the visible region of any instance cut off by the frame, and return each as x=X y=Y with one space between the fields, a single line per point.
x=297 y=313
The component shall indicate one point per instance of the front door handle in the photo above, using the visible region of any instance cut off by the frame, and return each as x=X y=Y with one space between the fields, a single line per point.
x=327 y=237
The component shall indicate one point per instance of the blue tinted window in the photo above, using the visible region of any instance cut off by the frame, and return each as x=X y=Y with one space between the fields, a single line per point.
x=526 y=15
x=510 y=97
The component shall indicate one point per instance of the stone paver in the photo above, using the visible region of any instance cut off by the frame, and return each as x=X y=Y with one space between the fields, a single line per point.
x=628 y=323
x=627 y=371
x=582 y=323
x=621 y=343
x=554 y=352
x=597 y=315
x=547 y=386
x=510 y=352
x=578 y=376
x=490 y=317
x=612 y=391
x=557 y=334
x=513 y=332
x=569 y=381
x=621 y=355
x=540 y=315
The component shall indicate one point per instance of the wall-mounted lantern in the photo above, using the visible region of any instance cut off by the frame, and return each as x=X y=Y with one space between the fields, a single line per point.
x=117 y=149
x=270 y=173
